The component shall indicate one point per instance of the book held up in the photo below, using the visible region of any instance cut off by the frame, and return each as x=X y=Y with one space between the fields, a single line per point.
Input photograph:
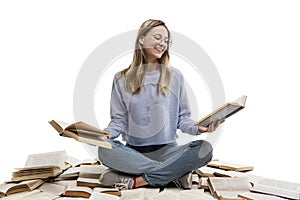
x=82 y=132
x=223 y=112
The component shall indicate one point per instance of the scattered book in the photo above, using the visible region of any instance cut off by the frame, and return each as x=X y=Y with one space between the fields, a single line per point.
x=82 y=132
x=228 y=188
x=230 y=166
x=223 y=112
x=39 y=166
x=11 y=188
x=73 y=190
x=89 y=175
x=278 y=188
x=50 y=176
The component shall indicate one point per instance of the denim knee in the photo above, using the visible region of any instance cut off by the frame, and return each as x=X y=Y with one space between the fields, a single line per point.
x=205 y=148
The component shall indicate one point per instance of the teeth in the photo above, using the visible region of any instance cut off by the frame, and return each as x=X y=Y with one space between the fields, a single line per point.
x=158 y=48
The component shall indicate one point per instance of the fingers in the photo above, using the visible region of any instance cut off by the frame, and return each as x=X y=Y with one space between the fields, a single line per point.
x=213 y=126
x=210 y=128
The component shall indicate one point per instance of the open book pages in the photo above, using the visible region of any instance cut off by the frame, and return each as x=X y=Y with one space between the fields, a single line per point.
x=225 y=187
x=210 y=171
x=11 y=188
x=89 y=175
x=56 y=158
x=20 y=195
x=42 y=165
x=73 y=190
x=69 y=174
x=258 y=196
x=32 y=195
x=229 y=166
x=41 y=195
x=216 y=172
x=53 y=188
x=74 y=162
x=223 y=112
x=82 y=132
x=102 y=196
x=139 y=194
x=278 y=188
x=182 y=195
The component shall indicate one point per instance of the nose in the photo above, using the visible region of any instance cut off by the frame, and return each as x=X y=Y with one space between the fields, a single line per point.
x=163 y=43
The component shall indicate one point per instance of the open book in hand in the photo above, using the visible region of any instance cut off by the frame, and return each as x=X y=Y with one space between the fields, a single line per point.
x=82 y=132
x=223 y=112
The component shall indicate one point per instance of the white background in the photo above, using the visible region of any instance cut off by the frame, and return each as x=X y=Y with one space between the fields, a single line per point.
x=255 y=46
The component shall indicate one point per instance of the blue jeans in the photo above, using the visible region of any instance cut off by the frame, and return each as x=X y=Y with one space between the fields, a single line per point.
x=158 y=167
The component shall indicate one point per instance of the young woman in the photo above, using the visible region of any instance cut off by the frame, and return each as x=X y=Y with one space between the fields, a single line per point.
x=148 y=104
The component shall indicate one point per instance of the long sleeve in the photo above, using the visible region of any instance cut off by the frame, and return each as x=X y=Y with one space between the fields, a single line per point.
x=118 y=112
x=185 y=123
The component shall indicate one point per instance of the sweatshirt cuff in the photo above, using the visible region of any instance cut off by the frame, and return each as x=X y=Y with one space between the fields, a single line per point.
x=196 y=130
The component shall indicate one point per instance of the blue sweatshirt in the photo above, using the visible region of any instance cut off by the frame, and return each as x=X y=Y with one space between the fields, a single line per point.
x=150 y=118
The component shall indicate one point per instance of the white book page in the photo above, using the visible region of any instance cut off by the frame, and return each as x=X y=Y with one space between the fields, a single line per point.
x=40 y=196
x=277 y=187
x=103 y=196
x=91 y=171
x=72 y=161
x=280 y=184
x=228 y=194
x=197 y=194
x=57 y=158
x=258 y=196
x=73 y=187
x=166 y=196
x=53 y=188
x=71 y=171
x=230 y=184
x=233 y=165
x=211 y=170
x=134 y=194
x=250 y=176
x=20 y=195
x=89 y=180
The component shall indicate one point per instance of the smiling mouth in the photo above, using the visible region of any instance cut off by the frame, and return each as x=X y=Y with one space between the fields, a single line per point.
x=159 y=48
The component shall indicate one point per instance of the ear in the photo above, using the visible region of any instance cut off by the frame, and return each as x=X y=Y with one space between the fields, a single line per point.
x=141 y=40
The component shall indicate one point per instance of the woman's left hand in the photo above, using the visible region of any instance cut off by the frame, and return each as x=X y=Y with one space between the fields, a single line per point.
x=211 y=127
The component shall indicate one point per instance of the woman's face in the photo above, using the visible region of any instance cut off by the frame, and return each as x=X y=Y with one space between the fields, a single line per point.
x=155 y=43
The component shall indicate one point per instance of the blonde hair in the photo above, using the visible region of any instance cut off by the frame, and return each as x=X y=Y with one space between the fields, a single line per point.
x=135 y=73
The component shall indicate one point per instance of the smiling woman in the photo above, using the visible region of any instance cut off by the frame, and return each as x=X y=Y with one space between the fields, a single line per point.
x=155 y=43
x=148 y=104
x=151 y=47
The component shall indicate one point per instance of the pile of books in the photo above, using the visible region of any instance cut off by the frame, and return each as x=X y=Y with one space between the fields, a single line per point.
x=55 y=175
